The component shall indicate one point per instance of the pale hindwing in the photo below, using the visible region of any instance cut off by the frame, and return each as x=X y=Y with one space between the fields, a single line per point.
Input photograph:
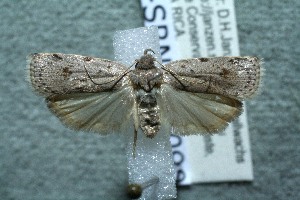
x=236 y=77
x=103 y=113
x=195 y=113
x=57 y=73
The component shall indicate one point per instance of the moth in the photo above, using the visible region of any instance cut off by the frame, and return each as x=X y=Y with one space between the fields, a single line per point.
x=198 y=95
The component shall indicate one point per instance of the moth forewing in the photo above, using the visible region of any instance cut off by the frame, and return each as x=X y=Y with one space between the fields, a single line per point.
x=56 y=73
x=236 y=77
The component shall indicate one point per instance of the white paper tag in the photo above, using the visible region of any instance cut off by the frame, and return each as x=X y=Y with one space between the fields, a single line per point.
x=203 y=28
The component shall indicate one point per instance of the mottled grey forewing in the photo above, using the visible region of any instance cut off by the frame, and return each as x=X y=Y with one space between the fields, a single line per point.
x=56 y=73
x=236 y=77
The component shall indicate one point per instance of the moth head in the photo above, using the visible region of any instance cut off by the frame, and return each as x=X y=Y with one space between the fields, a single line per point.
x=146 y=61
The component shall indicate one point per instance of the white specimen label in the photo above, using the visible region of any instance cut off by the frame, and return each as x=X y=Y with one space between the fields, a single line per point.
x=203 y=28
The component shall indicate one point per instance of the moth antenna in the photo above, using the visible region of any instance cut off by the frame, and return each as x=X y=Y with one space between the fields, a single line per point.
x=172 y=73
x=86 y=71
x=118 y=79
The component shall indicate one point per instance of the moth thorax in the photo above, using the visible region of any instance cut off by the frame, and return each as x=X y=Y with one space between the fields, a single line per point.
x=148 y=112
x=145 y=62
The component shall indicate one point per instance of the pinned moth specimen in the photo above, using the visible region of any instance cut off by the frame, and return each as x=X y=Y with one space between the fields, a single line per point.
x=193 y=96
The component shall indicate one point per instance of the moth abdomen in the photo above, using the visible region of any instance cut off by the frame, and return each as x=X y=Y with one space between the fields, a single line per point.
x=148 y=112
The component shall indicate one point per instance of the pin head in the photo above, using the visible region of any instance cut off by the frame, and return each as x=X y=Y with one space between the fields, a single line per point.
x=134 y=191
